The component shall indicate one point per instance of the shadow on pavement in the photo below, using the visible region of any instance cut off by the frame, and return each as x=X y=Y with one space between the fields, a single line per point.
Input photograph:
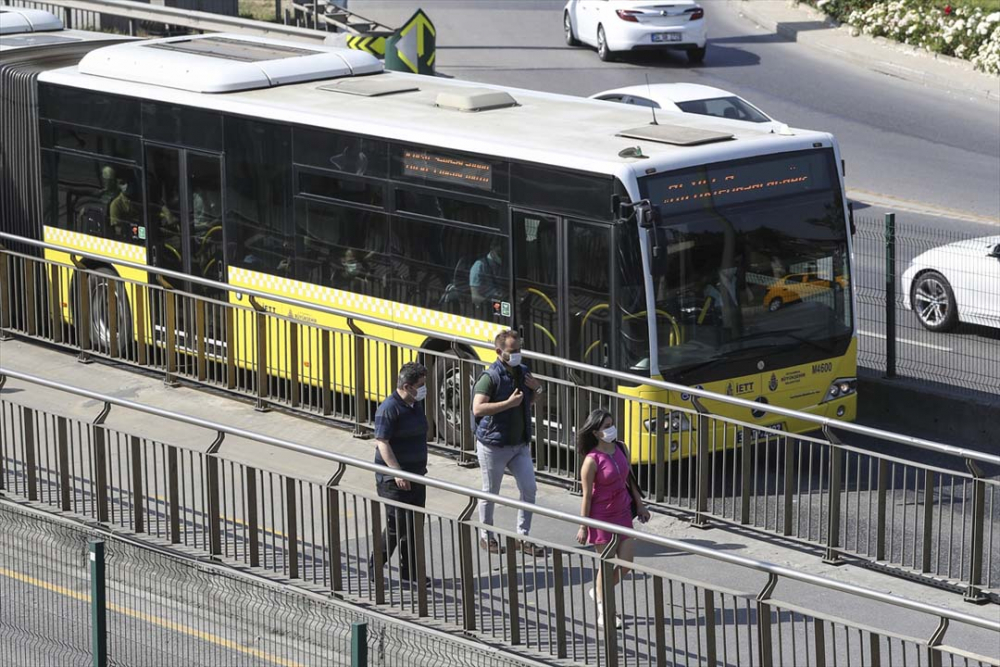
x=785 y=32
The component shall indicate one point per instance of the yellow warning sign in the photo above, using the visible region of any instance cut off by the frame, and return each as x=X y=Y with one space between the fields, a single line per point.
x=373 y=44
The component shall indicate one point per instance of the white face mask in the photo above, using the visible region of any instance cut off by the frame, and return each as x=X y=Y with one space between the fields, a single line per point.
x=514 y=359
x=421 y=393
x=609 y=434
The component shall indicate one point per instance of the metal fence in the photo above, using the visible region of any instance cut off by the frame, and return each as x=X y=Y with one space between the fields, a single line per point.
x=164 y=608
x=886 y=506
x=320 y=535
x=913 y=312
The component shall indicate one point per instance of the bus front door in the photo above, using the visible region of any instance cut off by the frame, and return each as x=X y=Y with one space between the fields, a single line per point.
x=538 y=263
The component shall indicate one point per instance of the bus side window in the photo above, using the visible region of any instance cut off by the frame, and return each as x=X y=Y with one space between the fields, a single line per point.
x=589 y=293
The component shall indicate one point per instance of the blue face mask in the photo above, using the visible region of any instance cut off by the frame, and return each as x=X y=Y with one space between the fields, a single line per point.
x=514 y=359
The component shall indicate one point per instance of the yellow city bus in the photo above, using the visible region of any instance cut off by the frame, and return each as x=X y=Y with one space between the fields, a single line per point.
x=695 y=250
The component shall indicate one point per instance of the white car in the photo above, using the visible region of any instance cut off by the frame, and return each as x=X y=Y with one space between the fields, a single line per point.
x=958 y=282
x=691 y=98
x=625 y=25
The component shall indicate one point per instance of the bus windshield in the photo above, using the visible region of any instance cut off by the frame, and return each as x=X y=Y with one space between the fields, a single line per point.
x=750 y=259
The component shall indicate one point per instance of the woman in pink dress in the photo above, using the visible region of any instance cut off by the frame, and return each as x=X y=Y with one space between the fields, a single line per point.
x=607 y=495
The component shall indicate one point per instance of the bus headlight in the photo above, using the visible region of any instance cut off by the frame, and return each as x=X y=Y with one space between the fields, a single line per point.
x=676 y=421
x=840 y=388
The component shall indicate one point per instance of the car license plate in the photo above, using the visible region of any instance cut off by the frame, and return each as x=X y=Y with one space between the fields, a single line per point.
x=666 y=36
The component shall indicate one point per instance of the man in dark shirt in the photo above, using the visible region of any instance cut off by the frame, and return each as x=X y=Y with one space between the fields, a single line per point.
x=401 y=442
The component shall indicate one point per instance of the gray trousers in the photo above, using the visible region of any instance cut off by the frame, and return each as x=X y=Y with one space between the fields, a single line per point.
x=493 y=461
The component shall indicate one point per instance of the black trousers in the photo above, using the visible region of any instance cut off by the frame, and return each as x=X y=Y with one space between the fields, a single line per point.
x=399 y=524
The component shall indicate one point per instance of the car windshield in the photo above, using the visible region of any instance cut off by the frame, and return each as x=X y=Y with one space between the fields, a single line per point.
x=752 y=259
x=724 y=107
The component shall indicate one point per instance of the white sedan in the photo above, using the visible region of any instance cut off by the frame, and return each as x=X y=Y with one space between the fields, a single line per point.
x=625 y=25
x=958 y=282
x=691 y=98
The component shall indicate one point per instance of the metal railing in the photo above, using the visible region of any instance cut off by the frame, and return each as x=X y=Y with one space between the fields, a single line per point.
x=163 y=607
x=937 y=519
x=321 y=534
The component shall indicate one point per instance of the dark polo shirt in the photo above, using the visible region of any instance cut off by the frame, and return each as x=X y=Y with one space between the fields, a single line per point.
x=404 y=427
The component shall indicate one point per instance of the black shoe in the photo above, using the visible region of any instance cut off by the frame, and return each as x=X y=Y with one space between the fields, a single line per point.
x=406 y=579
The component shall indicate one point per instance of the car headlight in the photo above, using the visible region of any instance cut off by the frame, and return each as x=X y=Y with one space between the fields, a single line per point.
x=840 y=388
x=676 y=421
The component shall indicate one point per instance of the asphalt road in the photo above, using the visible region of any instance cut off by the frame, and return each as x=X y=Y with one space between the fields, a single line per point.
x=921 y=147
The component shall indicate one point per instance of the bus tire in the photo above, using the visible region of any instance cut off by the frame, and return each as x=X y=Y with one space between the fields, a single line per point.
x=100 y=327
x=448 y=385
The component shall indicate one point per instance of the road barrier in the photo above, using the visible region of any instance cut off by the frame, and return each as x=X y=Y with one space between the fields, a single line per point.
x=163 y=607
x=940 y=519
x=321 y=533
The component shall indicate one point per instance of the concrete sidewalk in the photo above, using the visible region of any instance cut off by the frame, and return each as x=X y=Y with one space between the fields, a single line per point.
x=126 y=383
x=801 y=23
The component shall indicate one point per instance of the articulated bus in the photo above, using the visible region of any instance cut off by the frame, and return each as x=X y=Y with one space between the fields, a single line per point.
x=682 y=249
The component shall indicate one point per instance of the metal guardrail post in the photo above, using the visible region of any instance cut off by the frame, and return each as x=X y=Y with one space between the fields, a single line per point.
x=608 y=601
x=467 y=455
x=230 y=348
x=171 y=351
x=81 y=318
x=98 y=605
x=934 y=655
x=819 y=639
x=253 y=521
x=466 y=542
x=883 y=489
x=746 y=473
x=973 y=593
x=199 y=333
x=559 y=583
x=333 y=528
x=832 y=556
x=659 y=621
x=138 y=499
x=890 y=295
x=360 y=373
x=140 y=323
x=928 y=521
x=378 y=552
x=214 y=517
x=173 y=496
x=113 y=348
x=101 y=491
x=765 y=648
x=420 y=556
x=55 y=301
x=788 y=486
x=65 y=479
x=359 y=644
x=30 y=314
x=30 y=452
x=710 y=650
x=262 y=382
x=512 y=597
x=292 y=528
x=294 y=365
x=659 y=465
x=5 y=301
x=702 y=463
x=326 y=359
x=874 y=650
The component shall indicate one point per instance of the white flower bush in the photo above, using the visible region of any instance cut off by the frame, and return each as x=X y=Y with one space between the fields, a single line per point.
x=962 y=32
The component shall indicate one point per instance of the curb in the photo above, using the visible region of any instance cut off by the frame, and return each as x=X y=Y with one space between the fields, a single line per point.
x=875 y=64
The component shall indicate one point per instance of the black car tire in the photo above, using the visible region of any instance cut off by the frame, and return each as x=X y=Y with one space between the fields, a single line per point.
x=933 y=302
x=697 y=56
x=571 y=39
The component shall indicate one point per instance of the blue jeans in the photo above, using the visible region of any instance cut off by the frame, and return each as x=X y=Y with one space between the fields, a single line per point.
x=493 y=461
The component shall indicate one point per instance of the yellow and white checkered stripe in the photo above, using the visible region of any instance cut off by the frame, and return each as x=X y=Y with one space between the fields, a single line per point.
x=366 y=305
x=95 y=244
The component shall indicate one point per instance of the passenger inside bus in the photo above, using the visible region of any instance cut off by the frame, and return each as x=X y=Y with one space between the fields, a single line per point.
x=487 y=279
x=124 y=210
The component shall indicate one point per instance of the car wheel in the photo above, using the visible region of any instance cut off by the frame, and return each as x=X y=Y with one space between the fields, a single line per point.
x=571 y=39
x=696 y=56
x=776 y=304
x=934 y=302
x=603 y=52
x=100 y=327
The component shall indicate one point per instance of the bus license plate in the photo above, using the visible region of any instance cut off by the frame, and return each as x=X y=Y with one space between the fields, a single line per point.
x=666 y=37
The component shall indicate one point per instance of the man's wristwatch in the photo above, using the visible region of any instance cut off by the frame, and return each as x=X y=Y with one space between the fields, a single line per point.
x=539 y=390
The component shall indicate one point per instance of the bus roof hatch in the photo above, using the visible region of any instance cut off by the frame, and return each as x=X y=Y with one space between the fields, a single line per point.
x=678 y=135
x=223 y=63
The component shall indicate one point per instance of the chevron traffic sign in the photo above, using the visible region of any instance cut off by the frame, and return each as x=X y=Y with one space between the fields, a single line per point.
x=413 y=47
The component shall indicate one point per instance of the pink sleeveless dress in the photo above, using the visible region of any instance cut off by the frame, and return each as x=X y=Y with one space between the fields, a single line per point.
x=611 y=501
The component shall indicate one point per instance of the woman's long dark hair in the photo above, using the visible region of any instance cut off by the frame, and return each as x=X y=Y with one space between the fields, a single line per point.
x=586 y=435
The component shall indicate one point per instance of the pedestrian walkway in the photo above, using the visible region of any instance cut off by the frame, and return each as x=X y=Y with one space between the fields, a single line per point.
x=801 y=23
x=125 y=383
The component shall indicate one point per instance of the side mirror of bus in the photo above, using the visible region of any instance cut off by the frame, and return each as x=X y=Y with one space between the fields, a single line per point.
x=850 y=218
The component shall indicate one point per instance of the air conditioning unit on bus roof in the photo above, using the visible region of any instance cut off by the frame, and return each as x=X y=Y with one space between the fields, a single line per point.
x=222 y=63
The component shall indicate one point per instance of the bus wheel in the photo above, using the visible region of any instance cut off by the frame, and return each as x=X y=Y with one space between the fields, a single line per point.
x=450 y=384
x=100 y=319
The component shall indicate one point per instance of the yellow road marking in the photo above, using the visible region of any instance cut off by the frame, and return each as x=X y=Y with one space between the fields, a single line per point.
x=149 y=618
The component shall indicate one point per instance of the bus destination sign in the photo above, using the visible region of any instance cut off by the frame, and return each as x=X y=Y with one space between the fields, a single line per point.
x=447 y=169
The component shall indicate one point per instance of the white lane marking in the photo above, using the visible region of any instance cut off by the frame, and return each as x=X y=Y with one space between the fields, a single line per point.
x=907 y=341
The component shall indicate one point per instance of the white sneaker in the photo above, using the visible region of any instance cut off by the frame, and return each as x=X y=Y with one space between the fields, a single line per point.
x=600 y=612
